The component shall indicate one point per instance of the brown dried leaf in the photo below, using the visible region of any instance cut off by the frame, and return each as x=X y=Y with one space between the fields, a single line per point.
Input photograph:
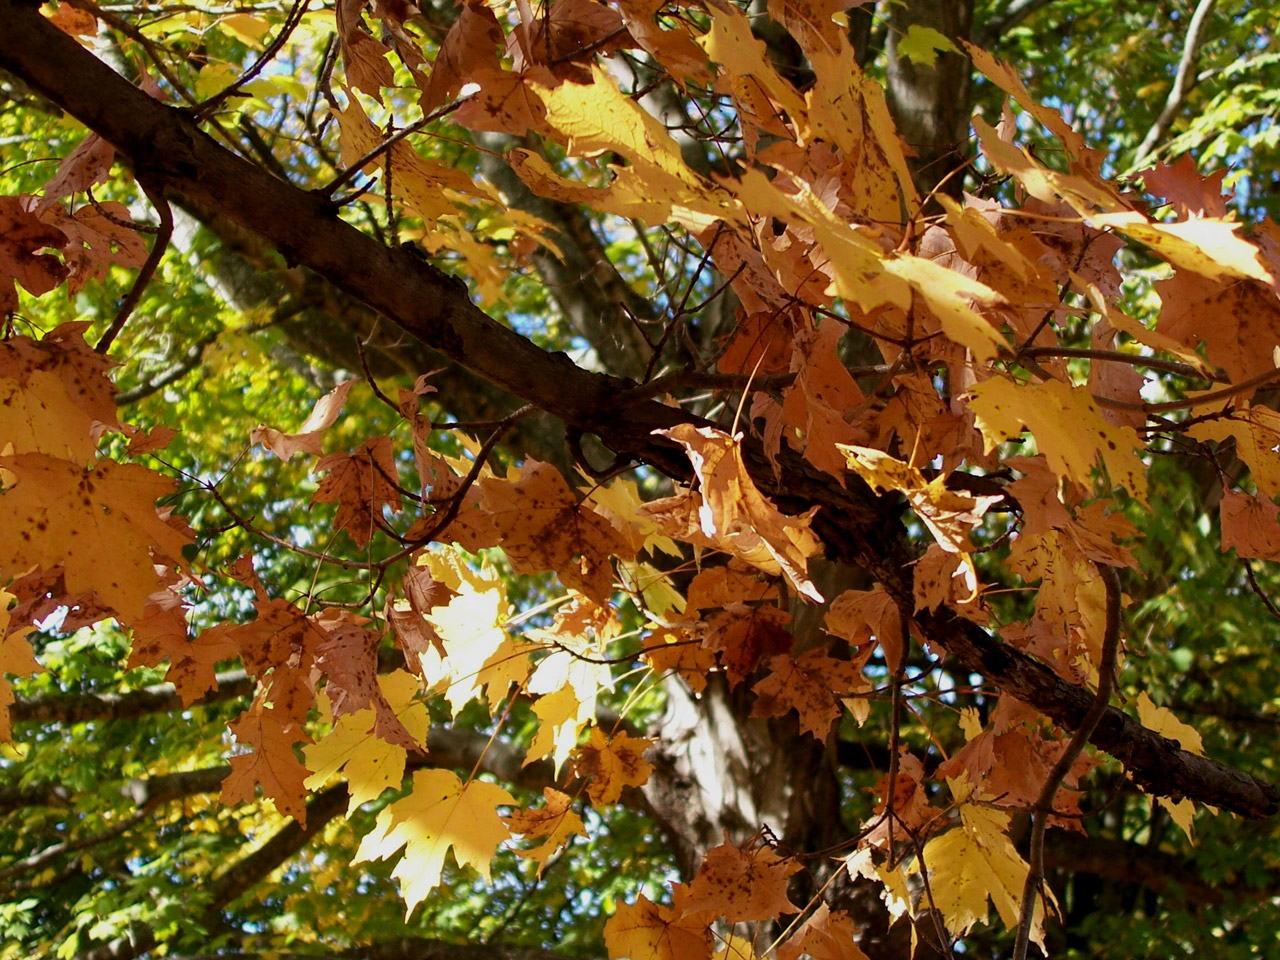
x=743 y=885
x=362 y=483
x=22 y=235
x=813 y=685
x=307 y=439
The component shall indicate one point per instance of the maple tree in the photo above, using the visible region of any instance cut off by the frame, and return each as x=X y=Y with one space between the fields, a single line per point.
x=761 y=460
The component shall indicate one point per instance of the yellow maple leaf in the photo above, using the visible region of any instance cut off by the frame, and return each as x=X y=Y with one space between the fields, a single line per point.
x=1209 y=247
x=611 y=764
x=734 y=947
x=646 y=931
x=16 y=657
x=731 y=43
x=1256 y=431
x=948 y=514
x=561 y=717
x=440 y=813
x=1068 y=427
x=479 y=655
x=655 y=184
x=856 y=258
x=974 y=862
x=1085 y=194
x=37 y=415
x=620 y=501
x=553 y=823
x=369 y=763
x=1008 y=81
x=951 y=296
x=1163 y=722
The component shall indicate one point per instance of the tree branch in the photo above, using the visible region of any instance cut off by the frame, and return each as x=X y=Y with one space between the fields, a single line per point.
x=1004 y=21
x=404 y=948
x=1134 y=864
x=157 y=698
x=1182 y=83
x=37 y=860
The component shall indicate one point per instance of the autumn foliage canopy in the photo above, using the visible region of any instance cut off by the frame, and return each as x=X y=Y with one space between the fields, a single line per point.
x=875 y=463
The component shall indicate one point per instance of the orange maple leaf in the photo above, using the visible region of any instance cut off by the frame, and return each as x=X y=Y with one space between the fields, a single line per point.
x=307 y=439
x=16 y=657
x=471 y=44
x=858 y=616
x=162 y=635
x=100 y=523
x=824 y=936
x=737 y=517
x=272 y=764
x=22 y=233
x=743 y=885
x=610 y=764
x=679 y=650
x=742 y=634
x=279 y=647
x=553 y=823
x=645 y=929
x=812 y=685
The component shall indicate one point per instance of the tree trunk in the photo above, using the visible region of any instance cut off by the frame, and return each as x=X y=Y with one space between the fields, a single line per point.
x=932 y=104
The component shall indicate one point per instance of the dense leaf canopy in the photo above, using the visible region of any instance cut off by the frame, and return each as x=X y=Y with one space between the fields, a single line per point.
x=658 y=480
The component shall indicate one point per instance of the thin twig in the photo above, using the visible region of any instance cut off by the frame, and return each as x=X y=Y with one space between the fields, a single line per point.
x=368 y=375
x=1044 y=803
x=352 y=169
x=1257 y=589
x=291 y=21
x=1133 y=359
x=1226 y=393
x=141 y=39
x=155 y=194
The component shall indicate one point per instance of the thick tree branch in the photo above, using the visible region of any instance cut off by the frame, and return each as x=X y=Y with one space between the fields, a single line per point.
x=1135 y=864
x=427 y=303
